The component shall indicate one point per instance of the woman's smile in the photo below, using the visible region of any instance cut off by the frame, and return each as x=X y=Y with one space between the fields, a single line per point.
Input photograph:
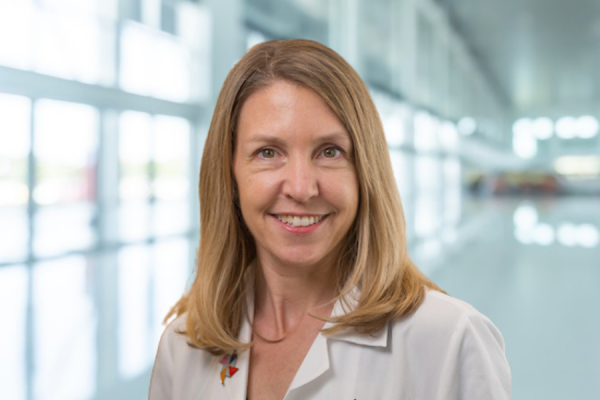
x=300 y=225
x=298 y=221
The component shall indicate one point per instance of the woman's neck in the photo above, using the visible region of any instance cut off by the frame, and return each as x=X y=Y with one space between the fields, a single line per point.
x=285 y=296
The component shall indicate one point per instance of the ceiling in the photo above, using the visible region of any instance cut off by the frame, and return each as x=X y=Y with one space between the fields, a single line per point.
x=542 y=55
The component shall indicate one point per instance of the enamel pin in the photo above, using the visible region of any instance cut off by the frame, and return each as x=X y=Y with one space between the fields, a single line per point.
x=229 y=368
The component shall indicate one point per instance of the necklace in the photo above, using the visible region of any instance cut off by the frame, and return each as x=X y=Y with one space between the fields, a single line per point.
x=262 y=337
x=265 y=339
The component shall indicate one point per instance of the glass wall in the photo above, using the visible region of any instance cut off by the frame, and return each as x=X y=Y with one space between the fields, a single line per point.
x=99 y=106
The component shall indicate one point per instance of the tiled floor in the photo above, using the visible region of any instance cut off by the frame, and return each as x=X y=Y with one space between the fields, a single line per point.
x=87 y=328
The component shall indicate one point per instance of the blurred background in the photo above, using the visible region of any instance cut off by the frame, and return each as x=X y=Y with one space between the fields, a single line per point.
x=490 y=110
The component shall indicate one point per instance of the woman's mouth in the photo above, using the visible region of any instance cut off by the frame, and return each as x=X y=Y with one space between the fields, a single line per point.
x=298 y=222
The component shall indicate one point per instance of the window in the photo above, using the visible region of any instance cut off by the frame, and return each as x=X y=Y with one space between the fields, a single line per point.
x=14 y=171
x=13 y=308
x=65 y=334
x=98 y=119
x=65 y=150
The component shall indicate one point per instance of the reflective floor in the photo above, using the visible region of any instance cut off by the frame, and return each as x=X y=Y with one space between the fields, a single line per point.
x=87 y=327
x=534 y=268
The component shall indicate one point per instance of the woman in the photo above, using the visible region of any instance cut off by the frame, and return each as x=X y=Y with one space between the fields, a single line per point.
x=304 y=288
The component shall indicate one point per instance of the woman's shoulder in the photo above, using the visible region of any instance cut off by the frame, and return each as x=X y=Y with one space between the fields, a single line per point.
x=439 y=302
x=174 y=336
x=177 y=325
x=458 y=346
x=447 y=320
x=175 y=343
x=176 y=361
x=444 y=311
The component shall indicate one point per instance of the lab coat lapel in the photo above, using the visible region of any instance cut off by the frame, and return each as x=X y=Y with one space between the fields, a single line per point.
x=314 y=365
x=316 y=362
x=379 y=339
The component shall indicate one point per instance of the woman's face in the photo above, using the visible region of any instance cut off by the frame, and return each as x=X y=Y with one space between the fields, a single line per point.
x=295 y=175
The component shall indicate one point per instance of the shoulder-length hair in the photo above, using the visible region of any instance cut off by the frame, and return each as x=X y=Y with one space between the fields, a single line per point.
x=374 y=258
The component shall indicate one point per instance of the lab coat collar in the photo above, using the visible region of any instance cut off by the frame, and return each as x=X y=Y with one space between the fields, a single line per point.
x=346 y=305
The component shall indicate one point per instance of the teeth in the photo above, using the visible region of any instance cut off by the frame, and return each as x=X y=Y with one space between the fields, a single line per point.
x=296 y=221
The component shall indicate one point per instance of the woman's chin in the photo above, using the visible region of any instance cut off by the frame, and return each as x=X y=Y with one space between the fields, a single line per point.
x=302 y=260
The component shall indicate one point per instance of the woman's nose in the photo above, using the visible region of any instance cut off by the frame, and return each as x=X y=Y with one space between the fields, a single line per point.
x=300 y=181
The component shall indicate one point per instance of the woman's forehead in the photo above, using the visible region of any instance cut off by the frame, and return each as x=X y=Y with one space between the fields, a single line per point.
x=285 y=108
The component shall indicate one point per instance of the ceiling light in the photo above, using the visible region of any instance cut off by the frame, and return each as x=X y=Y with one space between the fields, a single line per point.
x=522 y=126
x=467 y=126
x=449 y=135
x=394 y=130
x=524 y=145
x=587 y=127
x=566 y=128
x=578 y=165
x=425 y=132
x=542 y=128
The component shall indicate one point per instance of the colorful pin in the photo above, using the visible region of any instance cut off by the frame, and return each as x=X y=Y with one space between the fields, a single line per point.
x=229 y=368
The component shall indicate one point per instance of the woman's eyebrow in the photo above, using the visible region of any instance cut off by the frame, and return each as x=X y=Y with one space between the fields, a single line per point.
x=262 y=138
x=331 y=137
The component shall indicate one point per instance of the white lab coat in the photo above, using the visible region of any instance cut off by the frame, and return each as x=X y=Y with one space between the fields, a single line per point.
x=446 y=350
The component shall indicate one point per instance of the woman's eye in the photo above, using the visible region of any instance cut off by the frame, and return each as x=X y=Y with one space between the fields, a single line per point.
x=330 y=152
x=267 y=153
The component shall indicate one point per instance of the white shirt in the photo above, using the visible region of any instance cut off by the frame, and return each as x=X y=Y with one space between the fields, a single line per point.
x=446 y=350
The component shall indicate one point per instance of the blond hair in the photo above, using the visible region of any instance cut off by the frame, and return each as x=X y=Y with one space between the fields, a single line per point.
x=374 y=258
